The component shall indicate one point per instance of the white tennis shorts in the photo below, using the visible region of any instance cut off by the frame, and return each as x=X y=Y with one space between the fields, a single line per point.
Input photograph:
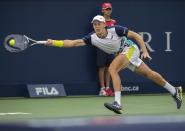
x=133 y=55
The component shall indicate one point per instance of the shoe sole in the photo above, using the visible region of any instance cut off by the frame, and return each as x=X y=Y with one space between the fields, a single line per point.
x=180 y=88
x=113 y=109
x=181 y=96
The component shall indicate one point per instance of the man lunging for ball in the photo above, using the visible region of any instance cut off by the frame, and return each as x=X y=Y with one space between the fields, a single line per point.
x=113 y=40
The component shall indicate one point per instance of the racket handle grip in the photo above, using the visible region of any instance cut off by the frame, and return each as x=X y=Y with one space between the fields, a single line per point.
x=41 y=42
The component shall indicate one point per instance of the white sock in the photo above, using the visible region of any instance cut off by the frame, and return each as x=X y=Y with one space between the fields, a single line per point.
x=170 y=88
x=102 y=88
x=118 y=97
x=107 y=87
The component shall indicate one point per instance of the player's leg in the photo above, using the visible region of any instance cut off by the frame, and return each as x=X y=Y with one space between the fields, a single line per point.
x=145 y=71
x=121 y=61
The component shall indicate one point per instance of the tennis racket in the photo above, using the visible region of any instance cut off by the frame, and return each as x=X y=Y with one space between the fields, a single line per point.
x=18 y=42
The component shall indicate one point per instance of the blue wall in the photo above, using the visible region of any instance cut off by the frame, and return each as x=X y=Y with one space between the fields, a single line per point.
x=70 y=19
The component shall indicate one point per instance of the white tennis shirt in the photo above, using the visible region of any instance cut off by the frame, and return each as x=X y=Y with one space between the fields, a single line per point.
x=112 y=43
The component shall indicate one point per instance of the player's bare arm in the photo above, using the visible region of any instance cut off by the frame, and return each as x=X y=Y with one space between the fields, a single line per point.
x=65 y=43
x=138 y=38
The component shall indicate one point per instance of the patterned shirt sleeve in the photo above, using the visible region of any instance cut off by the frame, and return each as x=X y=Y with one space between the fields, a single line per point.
x=87 y=39
x=121 y=31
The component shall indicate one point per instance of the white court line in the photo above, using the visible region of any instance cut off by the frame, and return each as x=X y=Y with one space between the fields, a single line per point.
x=14 y=113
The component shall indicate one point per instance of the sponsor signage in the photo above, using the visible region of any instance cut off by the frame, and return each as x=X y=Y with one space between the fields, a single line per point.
x=130 y=88
x=141 y=88
x=46 y=90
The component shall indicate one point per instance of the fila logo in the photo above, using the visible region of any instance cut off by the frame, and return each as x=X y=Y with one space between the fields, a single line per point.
x=46 y=91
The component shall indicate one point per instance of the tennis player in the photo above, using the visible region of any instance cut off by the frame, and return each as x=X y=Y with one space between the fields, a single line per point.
x=113 y=40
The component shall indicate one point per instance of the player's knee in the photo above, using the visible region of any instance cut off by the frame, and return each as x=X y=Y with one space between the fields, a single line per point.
x=112 y=69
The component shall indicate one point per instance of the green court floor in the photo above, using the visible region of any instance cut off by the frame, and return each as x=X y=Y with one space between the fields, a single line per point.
x=85 y=106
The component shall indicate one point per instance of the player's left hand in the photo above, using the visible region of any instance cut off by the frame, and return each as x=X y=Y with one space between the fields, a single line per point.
x=146 y=55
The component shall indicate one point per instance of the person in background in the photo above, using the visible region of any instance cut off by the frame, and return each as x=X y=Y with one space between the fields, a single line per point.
x=104 y=59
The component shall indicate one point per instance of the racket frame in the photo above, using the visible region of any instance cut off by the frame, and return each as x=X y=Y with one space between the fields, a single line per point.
x=34 y=41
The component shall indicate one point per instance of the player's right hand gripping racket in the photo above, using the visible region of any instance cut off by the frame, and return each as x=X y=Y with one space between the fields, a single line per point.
x=18 y=43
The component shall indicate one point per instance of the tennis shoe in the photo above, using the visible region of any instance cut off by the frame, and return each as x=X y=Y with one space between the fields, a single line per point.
x=178 y=97
x=103 y=92
x=115 y=107
x=109 y=92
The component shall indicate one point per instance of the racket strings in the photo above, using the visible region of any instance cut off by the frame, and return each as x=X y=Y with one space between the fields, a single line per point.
x=21 y=43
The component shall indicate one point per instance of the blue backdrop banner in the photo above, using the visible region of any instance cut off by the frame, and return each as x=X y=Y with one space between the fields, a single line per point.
x=160 y=23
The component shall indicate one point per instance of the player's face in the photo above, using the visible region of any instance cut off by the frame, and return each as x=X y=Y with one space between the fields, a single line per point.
x=99 y=27
x=107 y=11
